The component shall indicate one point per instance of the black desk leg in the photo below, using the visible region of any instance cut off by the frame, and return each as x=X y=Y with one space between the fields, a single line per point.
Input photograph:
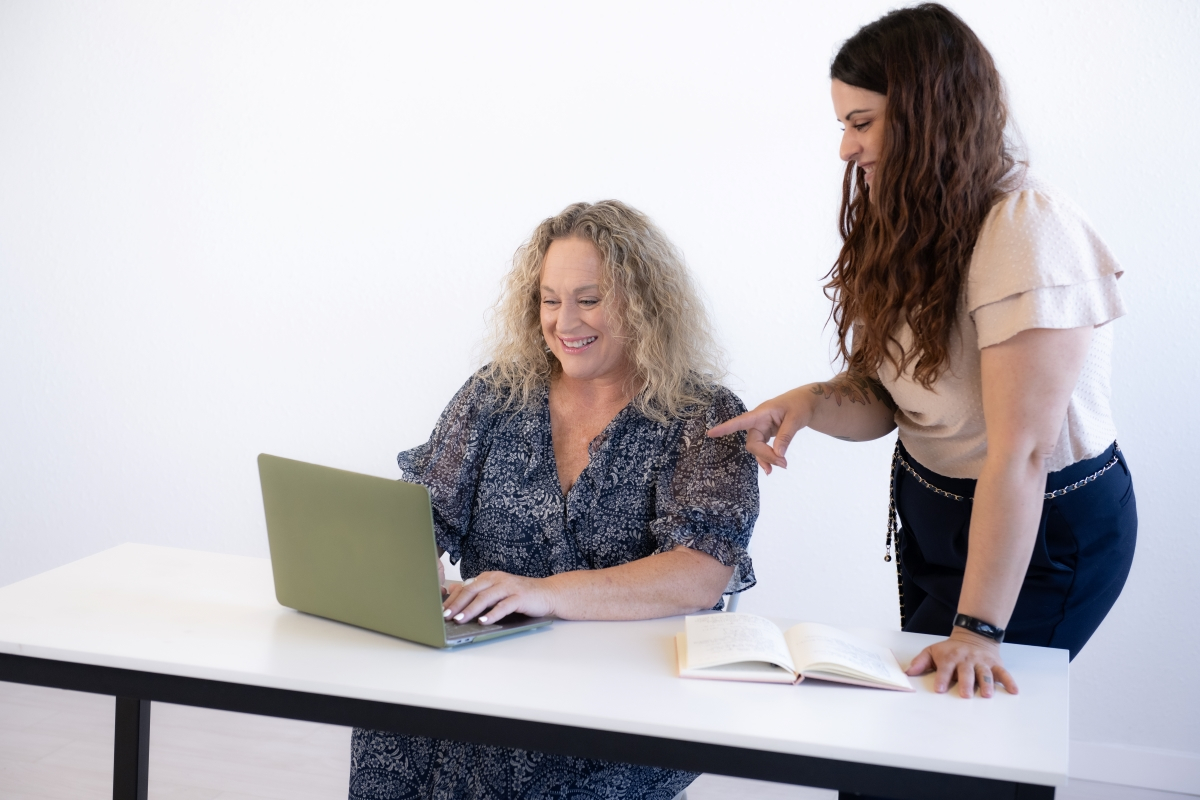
x=131 y=749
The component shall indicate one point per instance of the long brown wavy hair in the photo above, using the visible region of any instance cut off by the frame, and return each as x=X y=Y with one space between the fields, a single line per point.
x=908 y=239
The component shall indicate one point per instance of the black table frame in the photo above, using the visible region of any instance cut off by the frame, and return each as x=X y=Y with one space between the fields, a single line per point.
x=135 y=690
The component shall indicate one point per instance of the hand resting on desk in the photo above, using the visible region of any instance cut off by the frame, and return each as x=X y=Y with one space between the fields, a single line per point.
x=968 y=658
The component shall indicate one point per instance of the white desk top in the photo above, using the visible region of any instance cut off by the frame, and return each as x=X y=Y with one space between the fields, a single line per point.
x=205 y=615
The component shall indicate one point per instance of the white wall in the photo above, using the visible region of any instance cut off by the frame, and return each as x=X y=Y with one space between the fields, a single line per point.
x=228 y=228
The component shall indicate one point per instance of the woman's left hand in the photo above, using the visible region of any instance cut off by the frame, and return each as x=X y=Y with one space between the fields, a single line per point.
x=970 y=659
x=492 y=596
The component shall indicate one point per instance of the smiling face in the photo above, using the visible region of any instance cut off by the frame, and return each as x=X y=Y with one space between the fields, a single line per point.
x=576 y=323
x=861 y=112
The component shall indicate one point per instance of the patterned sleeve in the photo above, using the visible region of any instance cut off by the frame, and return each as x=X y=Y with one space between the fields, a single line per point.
x=709 y=501
x=448 y=464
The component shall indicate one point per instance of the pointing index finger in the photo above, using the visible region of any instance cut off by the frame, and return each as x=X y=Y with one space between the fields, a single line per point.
x=739 y=423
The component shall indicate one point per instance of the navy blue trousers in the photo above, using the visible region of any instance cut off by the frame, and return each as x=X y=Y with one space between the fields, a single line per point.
x=1082 y=556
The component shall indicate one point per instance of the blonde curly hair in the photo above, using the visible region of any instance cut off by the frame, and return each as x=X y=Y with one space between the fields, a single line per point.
x=657 y=313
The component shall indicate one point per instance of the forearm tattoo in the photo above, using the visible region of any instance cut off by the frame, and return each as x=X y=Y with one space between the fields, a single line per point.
x=855 y=388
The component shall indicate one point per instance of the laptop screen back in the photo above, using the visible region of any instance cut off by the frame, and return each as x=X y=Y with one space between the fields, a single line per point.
x=353 y=548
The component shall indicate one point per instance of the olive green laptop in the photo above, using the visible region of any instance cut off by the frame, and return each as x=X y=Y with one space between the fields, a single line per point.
x=361 y=550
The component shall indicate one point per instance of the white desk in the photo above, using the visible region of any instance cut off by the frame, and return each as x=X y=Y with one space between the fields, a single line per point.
x=152 y=623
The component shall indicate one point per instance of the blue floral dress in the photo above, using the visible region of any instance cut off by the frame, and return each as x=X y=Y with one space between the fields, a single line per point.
x=498 y=505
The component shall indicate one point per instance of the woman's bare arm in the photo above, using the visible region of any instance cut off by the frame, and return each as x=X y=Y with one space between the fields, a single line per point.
x=852 y=407
x=848 y=406
x=1027 y=384
x=681 y=581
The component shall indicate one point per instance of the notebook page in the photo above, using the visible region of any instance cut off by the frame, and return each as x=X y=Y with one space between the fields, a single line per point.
x=715 y=639
x=756 y=671
x=814 y=644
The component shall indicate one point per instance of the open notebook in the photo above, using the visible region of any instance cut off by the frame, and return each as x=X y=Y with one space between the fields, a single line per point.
x=744 y=647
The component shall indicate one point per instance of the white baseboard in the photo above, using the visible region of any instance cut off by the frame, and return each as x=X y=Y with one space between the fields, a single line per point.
x=1144 y=767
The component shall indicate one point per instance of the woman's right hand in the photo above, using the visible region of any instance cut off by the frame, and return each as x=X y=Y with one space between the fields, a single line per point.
x=494 y=595
x=779 y=418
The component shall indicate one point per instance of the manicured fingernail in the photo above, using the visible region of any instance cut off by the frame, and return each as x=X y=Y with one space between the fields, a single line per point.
x=445 y=613
x=458 y=617
x=468 y=581
x=483 y=619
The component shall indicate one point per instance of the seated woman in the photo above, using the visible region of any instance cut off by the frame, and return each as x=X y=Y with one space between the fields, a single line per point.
x=572 y=476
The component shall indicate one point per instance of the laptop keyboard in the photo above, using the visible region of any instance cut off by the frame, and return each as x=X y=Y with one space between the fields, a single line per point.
x=462 y=633
x=460 y=630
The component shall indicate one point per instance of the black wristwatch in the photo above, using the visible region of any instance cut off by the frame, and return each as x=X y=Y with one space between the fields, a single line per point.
x=979 y=626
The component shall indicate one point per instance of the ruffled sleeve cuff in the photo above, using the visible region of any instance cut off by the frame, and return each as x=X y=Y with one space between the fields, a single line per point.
x=1077 y=305
x=717 y=538
x=1034 y=238
x=413 y=463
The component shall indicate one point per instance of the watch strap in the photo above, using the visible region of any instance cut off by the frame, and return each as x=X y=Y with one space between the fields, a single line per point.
x=979 y=626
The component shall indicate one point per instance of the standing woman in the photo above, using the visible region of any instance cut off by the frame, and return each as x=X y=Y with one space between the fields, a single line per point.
x=971 y=302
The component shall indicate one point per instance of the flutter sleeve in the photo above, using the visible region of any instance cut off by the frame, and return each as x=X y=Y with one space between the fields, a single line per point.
x=448 y=465
x=1038 y=263
x=709 y=499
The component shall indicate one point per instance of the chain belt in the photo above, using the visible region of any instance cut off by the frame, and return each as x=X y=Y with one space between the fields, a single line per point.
x=899 y=460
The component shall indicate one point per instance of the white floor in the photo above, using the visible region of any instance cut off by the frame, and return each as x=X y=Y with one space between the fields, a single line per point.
x=57 y=745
